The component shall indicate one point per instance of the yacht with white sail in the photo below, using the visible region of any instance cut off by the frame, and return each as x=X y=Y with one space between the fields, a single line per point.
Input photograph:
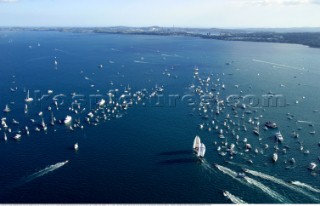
x=196 y=143
x=7 y=109
x=28 y=98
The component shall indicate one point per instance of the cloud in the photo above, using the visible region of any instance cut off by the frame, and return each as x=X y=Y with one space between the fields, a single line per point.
x=281 y=2
x=8 y=1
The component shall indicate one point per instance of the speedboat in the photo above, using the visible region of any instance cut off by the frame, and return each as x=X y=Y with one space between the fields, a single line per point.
x=241 y=175
x=312 y=166
x=17 y=136
x=68 y=119
x=225 y=193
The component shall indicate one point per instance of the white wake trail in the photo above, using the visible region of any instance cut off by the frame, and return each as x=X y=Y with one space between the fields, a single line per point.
x=234 y=199
x=252 y=182
x=44 y=171
x=304 y=185
x=279 y=65
x=280 y=182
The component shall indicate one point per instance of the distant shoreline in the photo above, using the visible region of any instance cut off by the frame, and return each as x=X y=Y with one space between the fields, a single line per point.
x=309 y=38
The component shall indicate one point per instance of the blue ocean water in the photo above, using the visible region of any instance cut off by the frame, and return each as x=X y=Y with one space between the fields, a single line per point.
x=144 y=155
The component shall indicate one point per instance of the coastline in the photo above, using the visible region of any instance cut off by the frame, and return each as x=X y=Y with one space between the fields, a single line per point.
x=309 y=38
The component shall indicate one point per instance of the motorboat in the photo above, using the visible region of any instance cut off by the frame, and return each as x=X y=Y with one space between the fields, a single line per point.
x=17 y=136
x=279 y=137
x=312 y=166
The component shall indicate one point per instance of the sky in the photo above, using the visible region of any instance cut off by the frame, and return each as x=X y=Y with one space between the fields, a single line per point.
x=167 y=13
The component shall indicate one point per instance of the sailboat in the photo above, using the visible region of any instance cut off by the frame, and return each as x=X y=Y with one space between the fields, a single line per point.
x=43 y=124
x=28 y=99
x=52 y=119
x=201 y=151
x=7 y=109
x=196 y=143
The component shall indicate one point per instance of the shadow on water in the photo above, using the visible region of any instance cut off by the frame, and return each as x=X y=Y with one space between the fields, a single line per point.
x=176 y=152
x=178 y=161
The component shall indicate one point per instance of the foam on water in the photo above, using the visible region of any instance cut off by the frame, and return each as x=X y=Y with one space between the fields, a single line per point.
x=234 y=199
x=44 y=171
x=281 y=182
x=252 y=182
x=304 y=185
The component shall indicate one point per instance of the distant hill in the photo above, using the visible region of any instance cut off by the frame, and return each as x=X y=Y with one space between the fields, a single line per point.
x=305 y=36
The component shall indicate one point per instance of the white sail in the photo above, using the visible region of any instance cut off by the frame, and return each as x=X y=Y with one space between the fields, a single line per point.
x=202 y=150
x=196 y=142
x=28 y=99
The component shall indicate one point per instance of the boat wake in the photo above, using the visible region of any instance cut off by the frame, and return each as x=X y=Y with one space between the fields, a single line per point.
x=44 y=171
x=141 y=62
x=301 y=121
x=234 y=199
x=283 y=183
x=279 y=65
x=206 y=165
x=252 y=182
x=306 y=186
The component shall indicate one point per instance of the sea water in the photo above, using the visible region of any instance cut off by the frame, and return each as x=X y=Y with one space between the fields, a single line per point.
x=145 y=155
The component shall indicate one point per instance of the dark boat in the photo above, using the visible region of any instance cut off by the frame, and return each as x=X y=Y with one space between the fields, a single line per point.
x=271 y=125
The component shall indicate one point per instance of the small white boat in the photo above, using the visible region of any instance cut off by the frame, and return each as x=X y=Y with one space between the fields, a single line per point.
x=7 y=109
x=101 y=102
x=76 y=146
x=279 y=137
x=275 y=157
x=17 y=136
x=68 y=119
x=312 y=166
x=5 y=137
x=28 y=98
